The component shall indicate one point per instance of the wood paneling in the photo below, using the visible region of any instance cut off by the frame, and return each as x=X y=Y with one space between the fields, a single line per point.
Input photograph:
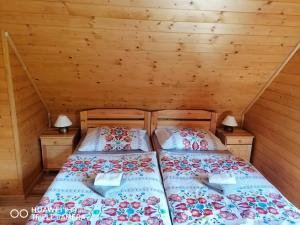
x=188 y=54
x=32 y=119
x=24 y=116
x=9 y=180
x=275 y=121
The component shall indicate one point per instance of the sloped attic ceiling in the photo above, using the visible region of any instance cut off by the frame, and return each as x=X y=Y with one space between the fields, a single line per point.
x=151 y=54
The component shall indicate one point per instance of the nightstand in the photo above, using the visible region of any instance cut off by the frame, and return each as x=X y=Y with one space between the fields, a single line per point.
x=57 y=147
x=239 y=142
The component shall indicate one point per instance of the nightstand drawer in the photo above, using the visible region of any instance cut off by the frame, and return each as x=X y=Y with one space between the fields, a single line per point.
x=55 y=156
x=240 y=147
x=57 y=141
x=242 y=151
x=239 y=140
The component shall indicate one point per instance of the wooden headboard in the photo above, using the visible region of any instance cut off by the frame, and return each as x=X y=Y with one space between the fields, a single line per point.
x=132 y=118
x=184 y=118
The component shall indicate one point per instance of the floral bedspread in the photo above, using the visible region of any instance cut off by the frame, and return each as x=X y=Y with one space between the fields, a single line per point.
x=253 y=200
x=140 y=200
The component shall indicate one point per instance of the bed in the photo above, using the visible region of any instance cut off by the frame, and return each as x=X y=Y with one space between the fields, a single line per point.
x=252 y=200
x=139 y=200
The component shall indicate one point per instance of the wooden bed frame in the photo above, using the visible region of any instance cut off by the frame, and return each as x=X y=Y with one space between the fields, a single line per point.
x=182 y=118
x=132 y=118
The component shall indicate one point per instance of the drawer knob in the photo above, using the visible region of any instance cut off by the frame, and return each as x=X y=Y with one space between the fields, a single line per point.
x=55 y=142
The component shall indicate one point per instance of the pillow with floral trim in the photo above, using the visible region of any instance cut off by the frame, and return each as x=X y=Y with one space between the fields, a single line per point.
x=188 y=139
x=108 y=139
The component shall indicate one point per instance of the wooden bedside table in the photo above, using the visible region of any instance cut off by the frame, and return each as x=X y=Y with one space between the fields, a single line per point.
x=57 y=147
x=239 y=142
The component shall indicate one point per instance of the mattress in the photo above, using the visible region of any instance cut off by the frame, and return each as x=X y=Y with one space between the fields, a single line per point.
x=253 y=200
x=139 y=200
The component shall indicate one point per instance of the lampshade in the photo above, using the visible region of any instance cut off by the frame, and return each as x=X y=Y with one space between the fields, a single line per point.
x=230 y=121
x=63 y=121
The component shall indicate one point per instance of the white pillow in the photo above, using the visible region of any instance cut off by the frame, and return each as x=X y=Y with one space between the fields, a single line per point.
x=109 y=139
x=188 y=139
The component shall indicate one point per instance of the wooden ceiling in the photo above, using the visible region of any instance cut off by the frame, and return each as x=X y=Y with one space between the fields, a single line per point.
x=151 y=54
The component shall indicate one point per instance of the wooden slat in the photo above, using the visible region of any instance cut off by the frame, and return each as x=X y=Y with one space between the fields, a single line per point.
x=147 y=122
x=154 y=121
x=219 y=5
x=213 y=122
x=83 y=123
x=129 y=123
x=178 y=123
x=115 y=114
x=182 y=27
x=45 y=36
x=184 y=114
x=82 y=16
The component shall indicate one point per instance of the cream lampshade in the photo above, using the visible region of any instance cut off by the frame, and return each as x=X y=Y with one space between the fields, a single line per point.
x=229 y=123
x=63 y=122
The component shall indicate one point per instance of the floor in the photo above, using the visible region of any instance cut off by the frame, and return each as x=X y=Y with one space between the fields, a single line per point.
x=16 y=203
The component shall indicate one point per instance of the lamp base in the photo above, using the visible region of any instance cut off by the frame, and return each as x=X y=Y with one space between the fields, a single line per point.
x=228 y=128
x=63 y=130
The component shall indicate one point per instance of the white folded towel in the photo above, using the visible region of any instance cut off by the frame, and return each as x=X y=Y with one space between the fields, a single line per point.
x=222 y=178
x=108 y=179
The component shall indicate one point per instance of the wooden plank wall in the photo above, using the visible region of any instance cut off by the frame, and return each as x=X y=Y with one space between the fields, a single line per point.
x=151 y=55
x=32 y=119
x=9 y=180
x=275 y=121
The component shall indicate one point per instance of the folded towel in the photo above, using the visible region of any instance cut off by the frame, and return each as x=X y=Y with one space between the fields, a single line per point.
x=216 y=187
x=102 y=190
x=108 y=179
x=222 y=178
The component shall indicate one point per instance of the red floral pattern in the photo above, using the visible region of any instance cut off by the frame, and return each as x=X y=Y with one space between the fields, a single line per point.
x=69 y=201
x=261 y=202
x=62 y=208
x=146 y=209
x=187 y=207
x=143 y=210
x=253 y=205
x=196 y=166
x=117 y=138
x=81 y=165
x=190 y=206
x=193 y=139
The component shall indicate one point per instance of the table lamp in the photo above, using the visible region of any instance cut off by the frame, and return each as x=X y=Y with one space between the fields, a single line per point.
x=229 y=123
x=63 y=123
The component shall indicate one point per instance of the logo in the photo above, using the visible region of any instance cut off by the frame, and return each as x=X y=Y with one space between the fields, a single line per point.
x=15 y=213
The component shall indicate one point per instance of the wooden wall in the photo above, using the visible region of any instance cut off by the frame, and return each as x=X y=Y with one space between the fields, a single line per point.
x=9 y=179
x=154 y=54
x=30 y=117
x=275 y=121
